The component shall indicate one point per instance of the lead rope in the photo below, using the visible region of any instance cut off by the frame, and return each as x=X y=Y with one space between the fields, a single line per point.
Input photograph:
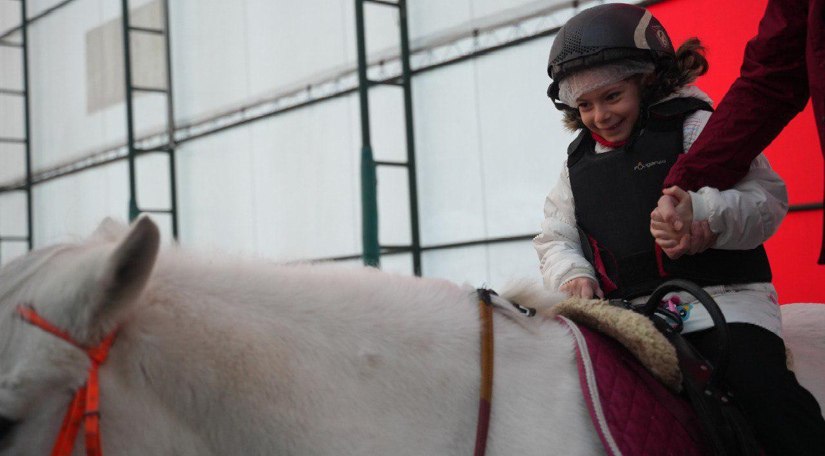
x=485 y=308
x=85 y=405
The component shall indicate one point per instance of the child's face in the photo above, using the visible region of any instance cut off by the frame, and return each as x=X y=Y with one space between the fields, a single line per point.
x=612 y=111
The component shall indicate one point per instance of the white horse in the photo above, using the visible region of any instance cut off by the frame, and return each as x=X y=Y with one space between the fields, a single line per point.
x=235 y=357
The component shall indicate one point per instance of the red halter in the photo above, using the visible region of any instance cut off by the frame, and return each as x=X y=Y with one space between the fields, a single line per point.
x=85 y=406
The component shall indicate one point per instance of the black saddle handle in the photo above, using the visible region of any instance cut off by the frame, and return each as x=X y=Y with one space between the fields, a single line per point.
x=720 y=364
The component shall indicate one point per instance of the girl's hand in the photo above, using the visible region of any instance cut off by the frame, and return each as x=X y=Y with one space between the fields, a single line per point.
x=676 y=207
x=664 y=233
x=583 y=287
x=700 y=239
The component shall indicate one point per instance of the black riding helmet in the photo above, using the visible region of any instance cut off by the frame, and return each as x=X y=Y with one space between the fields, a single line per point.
x=603 y=34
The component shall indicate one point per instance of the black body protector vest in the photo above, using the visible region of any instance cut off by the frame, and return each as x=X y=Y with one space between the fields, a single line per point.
x=616 y=191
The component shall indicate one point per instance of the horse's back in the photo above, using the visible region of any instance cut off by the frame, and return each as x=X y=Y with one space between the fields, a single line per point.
x=804 y=333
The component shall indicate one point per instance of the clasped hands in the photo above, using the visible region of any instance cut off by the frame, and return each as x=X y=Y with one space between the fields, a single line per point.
x=675 y=231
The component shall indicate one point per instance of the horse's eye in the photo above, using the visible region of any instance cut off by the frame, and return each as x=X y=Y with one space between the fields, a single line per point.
x=6 y=426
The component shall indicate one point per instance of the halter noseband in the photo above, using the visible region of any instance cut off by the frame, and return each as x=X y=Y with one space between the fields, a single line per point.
x=85 y=406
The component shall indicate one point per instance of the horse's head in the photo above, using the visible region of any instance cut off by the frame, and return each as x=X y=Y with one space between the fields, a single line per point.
x=85 y=290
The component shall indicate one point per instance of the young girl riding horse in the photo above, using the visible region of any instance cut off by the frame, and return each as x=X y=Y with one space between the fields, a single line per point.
x=618 y=79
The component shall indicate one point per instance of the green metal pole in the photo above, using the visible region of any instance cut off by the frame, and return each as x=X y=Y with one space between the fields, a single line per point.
x=170 y=122
x=27 y=107
x=369 y=181
x=130 y=126
x=410 y=132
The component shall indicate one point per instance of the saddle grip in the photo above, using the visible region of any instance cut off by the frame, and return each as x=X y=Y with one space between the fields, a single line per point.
x=728 y=429
x=720 y=363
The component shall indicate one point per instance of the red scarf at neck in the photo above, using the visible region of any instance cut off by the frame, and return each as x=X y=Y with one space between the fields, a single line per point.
x=607 y=143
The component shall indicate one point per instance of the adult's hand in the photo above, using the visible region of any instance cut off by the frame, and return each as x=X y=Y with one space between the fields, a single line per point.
x=700 y=239
x=583 y=287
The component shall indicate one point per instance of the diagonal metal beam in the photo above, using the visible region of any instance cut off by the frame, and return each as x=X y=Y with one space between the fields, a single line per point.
x=36 y=18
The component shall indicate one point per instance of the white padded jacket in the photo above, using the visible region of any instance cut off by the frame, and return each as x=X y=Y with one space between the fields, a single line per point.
x=743 y=217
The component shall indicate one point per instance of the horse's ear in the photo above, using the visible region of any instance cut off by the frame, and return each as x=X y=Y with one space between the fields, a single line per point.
x=128 y=268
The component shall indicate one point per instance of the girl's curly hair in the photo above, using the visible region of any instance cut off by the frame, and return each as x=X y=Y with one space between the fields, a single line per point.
x=689 y=64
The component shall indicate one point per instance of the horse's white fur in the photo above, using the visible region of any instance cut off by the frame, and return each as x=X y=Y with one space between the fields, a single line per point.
x=222 y=356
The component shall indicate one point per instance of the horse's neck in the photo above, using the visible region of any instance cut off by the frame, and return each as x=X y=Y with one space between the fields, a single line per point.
x=204 y=363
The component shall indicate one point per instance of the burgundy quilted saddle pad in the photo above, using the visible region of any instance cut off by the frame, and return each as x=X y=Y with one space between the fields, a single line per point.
x=633 y=414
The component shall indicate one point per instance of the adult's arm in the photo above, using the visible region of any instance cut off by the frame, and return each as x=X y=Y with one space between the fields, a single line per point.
x=772 y=88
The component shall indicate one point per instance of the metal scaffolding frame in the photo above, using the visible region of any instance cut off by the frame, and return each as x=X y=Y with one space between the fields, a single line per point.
x=428 y=56
x=369 y=181
x=169 y=146
x=26 y=187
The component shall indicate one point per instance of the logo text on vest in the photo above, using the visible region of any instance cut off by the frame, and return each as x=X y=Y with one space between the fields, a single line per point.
x=642 y=166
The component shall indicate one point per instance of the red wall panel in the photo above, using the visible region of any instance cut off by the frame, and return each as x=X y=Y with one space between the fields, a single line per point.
x=725 y=26
x=793 y=257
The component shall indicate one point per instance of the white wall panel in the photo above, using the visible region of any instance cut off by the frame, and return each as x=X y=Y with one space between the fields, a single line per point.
x=461 y=265
x=12 y=161
x=289 y=42
x=11 y=69
x=381 y=28
x=227 y=54
x=287 y=188
x=210 y=62
x=217 y=209
x=523 y=143
x=73 y=206
x=488 y=8
x=387 y=124
x=307 y=183
x=36 y=7
x=398 y=264
x=494 y=265
x=9 y=16
x=511 y=261
x=12 y=155
x=153 y=182
x=393 y=206
x=12 y=250
x=490 y=146
x=12 y=119
x=13 y=214
x=429 y=17
x=447 y=153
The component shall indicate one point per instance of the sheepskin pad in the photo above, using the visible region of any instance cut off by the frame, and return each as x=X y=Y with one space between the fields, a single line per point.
x=632 y=330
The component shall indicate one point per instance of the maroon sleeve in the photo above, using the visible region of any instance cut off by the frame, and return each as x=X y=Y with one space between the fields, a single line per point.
x=772 y=88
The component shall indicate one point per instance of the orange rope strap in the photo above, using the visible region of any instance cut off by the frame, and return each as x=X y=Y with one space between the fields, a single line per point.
x=85 y=406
